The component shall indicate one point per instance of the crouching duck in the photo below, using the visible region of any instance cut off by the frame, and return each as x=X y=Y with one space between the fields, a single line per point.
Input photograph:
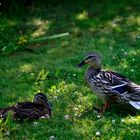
x=29 y=110
x=111 y=86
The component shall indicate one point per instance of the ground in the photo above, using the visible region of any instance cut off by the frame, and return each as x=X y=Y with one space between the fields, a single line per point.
x=110 y=28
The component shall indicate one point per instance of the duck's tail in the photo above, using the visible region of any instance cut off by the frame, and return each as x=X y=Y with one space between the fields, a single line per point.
x=135 y=88
x=135 y=104
x=135 y=95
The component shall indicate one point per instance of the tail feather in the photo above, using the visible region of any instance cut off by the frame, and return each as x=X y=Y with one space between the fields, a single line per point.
x=135 y=104
x=135 y=88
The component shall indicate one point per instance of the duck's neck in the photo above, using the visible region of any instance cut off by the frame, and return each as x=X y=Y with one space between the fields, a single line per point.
x=94 y=70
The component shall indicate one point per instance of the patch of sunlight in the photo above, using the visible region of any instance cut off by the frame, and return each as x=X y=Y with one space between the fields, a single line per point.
x=29 y=97
x=132 y=120
x=132 y=20
x=43 y=26
x=132 y=35
x=102 y=40
x=11 y=22
x=26 y=68
x=107 y=126
x=134 y=52
x=112 y=24
x=85 y=126
x=123 y=63
x=82 y=16
x=113 y=138
x=138 y=20
x=61 y=87
x=117 y=19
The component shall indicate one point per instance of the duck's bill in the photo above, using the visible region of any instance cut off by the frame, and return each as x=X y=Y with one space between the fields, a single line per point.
x=81 y=64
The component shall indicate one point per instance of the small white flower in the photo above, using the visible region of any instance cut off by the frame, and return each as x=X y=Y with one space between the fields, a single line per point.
x=58 y=91
x=113 y=57
x=113 y=121
x=133 y=59
x=32 y=74
x=47 y=116
x=66 y=117
x=51 y=138
x=75 y=108
x=42 y=117
x=122 y=120
x=111 y=48
x=132 y=70
x=98 y=116
x=35 y=123
x=125 y=53
x=55 y=97
x=98 y=133
x=75 y=114
x=7 y=133
x=74 y=74
x=79 y=115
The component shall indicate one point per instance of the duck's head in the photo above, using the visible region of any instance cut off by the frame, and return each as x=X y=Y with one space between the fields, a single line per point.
x=41 y=99
x=92 y=59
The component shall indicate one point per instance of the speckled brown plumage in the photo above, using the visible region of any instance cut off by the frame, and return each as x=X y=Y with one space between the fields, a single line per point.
x=29 y=110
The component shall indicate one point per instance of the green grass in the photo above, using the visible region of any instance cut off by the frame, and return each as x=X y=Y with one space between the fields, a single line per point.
x=111 y=29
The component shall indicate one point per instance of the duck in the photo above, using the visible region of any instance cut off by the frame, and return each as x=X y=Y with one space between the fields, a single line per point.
x=29 y=110
x=110 y=86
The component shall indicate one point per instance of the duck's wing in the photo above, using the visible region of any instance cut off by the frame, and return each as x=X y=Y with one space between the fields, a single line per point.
x=120 y=86
x=31 y=114
x=119 y=82
x=114 y=81
x=25 y=105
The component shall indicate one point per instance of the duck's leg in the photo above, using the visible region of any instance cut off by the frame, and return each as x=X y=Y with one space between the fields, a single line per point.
x=106 y=105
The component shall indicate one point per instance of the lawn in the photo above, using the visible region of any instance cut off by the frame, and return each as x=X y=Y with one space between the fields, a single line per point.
x=111 y=28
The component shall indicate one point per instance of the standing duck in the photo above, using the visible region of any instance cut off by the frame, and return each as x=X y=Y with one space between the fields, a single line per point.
x=111 y=86
x=29 y=110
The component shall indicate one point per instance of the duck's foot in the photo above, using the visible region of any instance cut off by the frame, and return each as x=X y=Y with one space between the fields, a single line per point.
x=101 y=110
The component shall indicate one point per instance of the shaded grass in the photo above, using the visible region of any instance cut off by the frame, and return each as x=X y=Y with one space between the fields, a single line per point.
x=51 y=68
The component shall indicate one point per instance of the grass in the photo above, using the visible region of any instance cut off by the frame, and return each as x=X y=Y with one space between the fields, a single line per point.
x=111 y=29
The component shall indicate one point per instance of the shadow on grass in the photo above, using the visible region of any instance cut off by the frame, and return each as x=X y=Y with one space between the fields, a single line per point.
x=43 y=19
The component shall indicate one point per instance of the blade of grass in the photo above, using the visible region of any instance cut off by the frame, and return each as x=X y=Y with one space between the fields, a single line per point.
x=48 y=38
x=8 y=40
